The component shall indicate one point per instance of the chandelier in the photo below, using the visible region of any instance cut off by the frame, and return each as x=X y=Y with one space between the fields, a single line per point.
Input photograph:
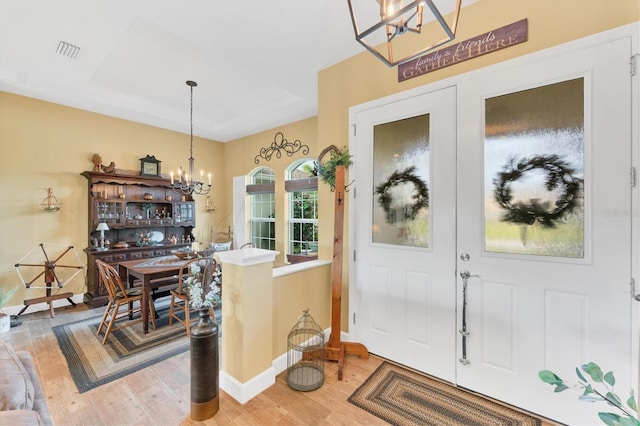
x=187 y=182
x=385 y=21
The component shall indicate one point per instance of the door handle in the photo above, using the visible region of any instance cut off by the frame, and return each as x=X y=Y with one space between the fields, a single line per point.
x=464 y=332
x=465 y=275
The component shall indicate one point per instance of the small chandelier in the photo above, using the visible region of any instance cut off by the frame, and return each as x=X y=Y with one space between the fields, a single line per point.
x=187 y=182
x=392 y=18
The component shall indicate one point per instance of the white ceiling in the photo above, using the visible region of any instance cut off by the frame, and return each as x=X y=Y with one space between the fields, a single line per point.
x=255 y=61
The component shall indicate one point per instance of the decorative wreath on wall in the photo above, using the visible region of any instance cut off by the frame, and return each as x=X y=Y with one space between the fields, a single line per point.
x=558 y=173
x=327 y=168
x=420 y=197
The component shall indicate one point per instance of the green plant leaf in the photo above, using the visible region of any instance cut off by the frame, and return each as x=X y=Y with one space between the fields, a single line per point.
x=587 y=390
x=561 y=387
x=6 y=294
x=631 y=402
x=627 y=421
x=593 y=370
x=549 y=377
x=614 y=400
x=610 y=418
x=609 y=378
x=580 y=376
x=589 y=398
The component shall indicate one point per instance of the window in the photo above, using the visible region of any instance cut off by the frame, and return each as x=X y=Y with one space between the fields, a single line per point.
x=263 y=208
x=303 y=207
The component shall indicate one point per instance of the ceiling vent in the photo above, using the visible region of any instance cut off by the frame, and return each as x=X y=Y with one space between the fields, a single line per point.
x=67 y=49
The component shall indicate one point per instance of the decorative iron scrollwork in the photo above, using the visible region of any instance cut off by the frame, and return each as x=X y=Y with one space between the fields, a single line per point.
x=278 y=145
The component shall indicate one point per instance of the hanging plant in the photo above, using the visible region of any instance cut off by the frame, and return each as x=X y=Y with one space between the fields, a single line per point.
x=559 y=174
x=420 y=197
x=327 y=169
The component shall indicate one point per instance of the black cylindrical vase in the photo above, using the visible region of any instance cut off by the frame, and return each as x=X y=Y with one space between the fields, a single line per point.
x=205 y=400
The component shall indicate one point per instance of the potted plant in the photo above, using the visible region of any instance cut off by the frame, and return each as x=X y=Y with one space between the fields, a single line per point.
x=5 y=319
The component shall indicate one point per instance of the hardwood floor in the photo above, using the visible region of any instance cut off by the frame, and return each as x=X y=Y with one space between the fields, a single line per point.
x=159 y=395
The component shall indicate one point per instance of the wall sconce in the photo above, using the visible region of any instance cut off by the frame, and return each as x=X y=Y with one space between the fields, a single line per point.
x=102 y=227
x=209 y=207
x=50 y=203
x=382 y=21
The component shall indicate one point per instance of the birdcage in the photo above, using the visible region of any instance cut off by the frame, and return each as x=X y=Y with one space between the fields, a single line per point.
x=305 y=354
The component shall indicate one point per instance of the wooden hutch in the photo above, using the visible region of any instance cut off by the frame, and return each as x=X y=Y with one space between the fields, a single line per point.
x=143 y=214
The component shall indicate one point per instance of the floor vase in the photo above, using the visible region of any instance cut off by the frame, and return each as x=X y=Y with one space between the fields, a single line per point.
x=205 y=399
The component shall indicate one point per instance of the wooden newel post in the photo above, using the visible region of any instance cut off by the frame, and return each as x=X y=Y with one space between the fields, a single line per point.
x=335 y=349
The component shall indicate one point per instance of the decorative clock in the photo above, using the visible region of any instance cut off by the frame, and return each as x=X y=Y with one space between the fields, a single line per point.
x=150 y=166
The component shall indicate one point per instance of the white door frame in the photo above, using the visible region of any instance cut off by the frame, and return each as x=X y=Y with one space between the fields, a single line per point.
x=631 y=31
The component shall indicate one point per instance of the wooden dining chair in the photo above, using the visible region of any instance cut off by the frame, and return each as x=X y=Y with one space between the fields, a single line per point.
x=120 y=296
x=180 y=295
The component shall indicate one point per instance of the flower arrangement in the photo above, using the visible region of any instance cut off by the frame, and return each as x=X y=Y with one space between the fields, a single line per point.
x=202 y=296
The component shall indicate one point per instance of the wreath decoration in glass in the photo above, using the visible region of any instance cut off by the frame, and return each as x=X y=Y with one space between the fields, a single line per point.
x=559 y=173
x=420 y=196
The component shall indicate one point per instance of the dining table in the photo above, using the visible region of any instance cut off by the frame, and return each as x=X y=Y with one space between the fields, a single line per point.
x=151 y=273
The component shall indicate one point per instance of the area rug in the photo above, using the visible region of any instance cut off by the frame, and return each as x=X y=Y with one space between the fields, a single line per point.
x=404 y=397
x=127 y=350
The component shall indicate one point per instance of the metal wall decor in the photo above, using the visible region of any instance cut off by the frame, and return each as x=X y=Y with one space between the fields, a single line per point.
x=278 y=145
x=50 y=203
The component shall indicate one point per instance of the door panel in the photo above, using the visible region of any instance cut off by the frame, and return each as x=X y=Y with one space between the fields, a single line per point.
x=405 y=287
x=545 y=295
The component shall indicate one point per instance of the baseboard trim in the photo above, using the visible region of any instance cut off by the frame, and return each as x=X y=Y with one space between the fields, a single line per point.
x=243 y=392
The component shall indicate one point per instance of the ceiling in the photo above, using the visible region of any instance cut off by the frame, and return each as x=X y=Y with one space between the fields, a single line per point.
x=255 y=61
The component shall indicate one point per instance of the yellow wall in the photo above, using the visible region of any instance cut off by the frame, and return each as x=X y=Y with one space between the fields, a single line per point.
x=363 y=77
x=239 y=158
x=48 y=145
x=293 y=294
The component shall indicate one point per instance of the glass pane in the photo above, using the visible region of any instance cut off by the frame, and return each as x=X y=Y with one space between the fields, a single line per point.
x=534 y=171
x=401 y=178
x=263 y=175
x=304 y=170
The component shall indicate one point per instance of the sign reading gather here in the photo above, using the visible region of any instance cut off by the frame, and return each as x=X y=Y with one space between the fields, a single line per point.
x=492 y=41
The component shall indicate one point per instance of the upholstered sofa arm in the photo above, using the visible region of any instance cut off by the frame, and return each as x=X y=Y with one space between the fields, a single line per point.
x=22 y=400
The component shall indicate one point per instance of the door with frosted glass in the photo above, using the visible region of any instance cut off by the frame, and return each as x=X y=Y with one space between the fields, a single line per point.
x=404 y=226
x=543 y=263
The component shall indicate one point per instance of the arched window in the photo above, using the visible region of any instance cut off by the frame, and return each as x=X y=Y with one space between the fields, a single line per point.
x=263 y=208
x=302 y=186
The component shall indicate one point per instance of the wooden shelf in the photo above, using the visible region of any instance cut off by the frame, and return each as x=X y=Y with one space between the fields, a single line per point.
x=117 y=199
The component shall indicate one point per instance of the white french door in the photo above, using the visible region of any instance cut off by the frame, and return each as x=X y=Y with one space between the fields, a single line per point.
x=406 y=285
x=528 y=180
x=561 y=300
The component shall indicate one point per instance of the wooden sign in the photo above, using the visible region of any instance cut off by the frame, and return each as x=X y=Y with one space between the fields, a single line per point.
x=492 y=41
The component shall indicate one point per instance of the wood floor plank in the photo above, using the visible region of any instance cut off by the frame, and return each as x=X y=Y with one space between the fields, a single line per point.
x=159 y=395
